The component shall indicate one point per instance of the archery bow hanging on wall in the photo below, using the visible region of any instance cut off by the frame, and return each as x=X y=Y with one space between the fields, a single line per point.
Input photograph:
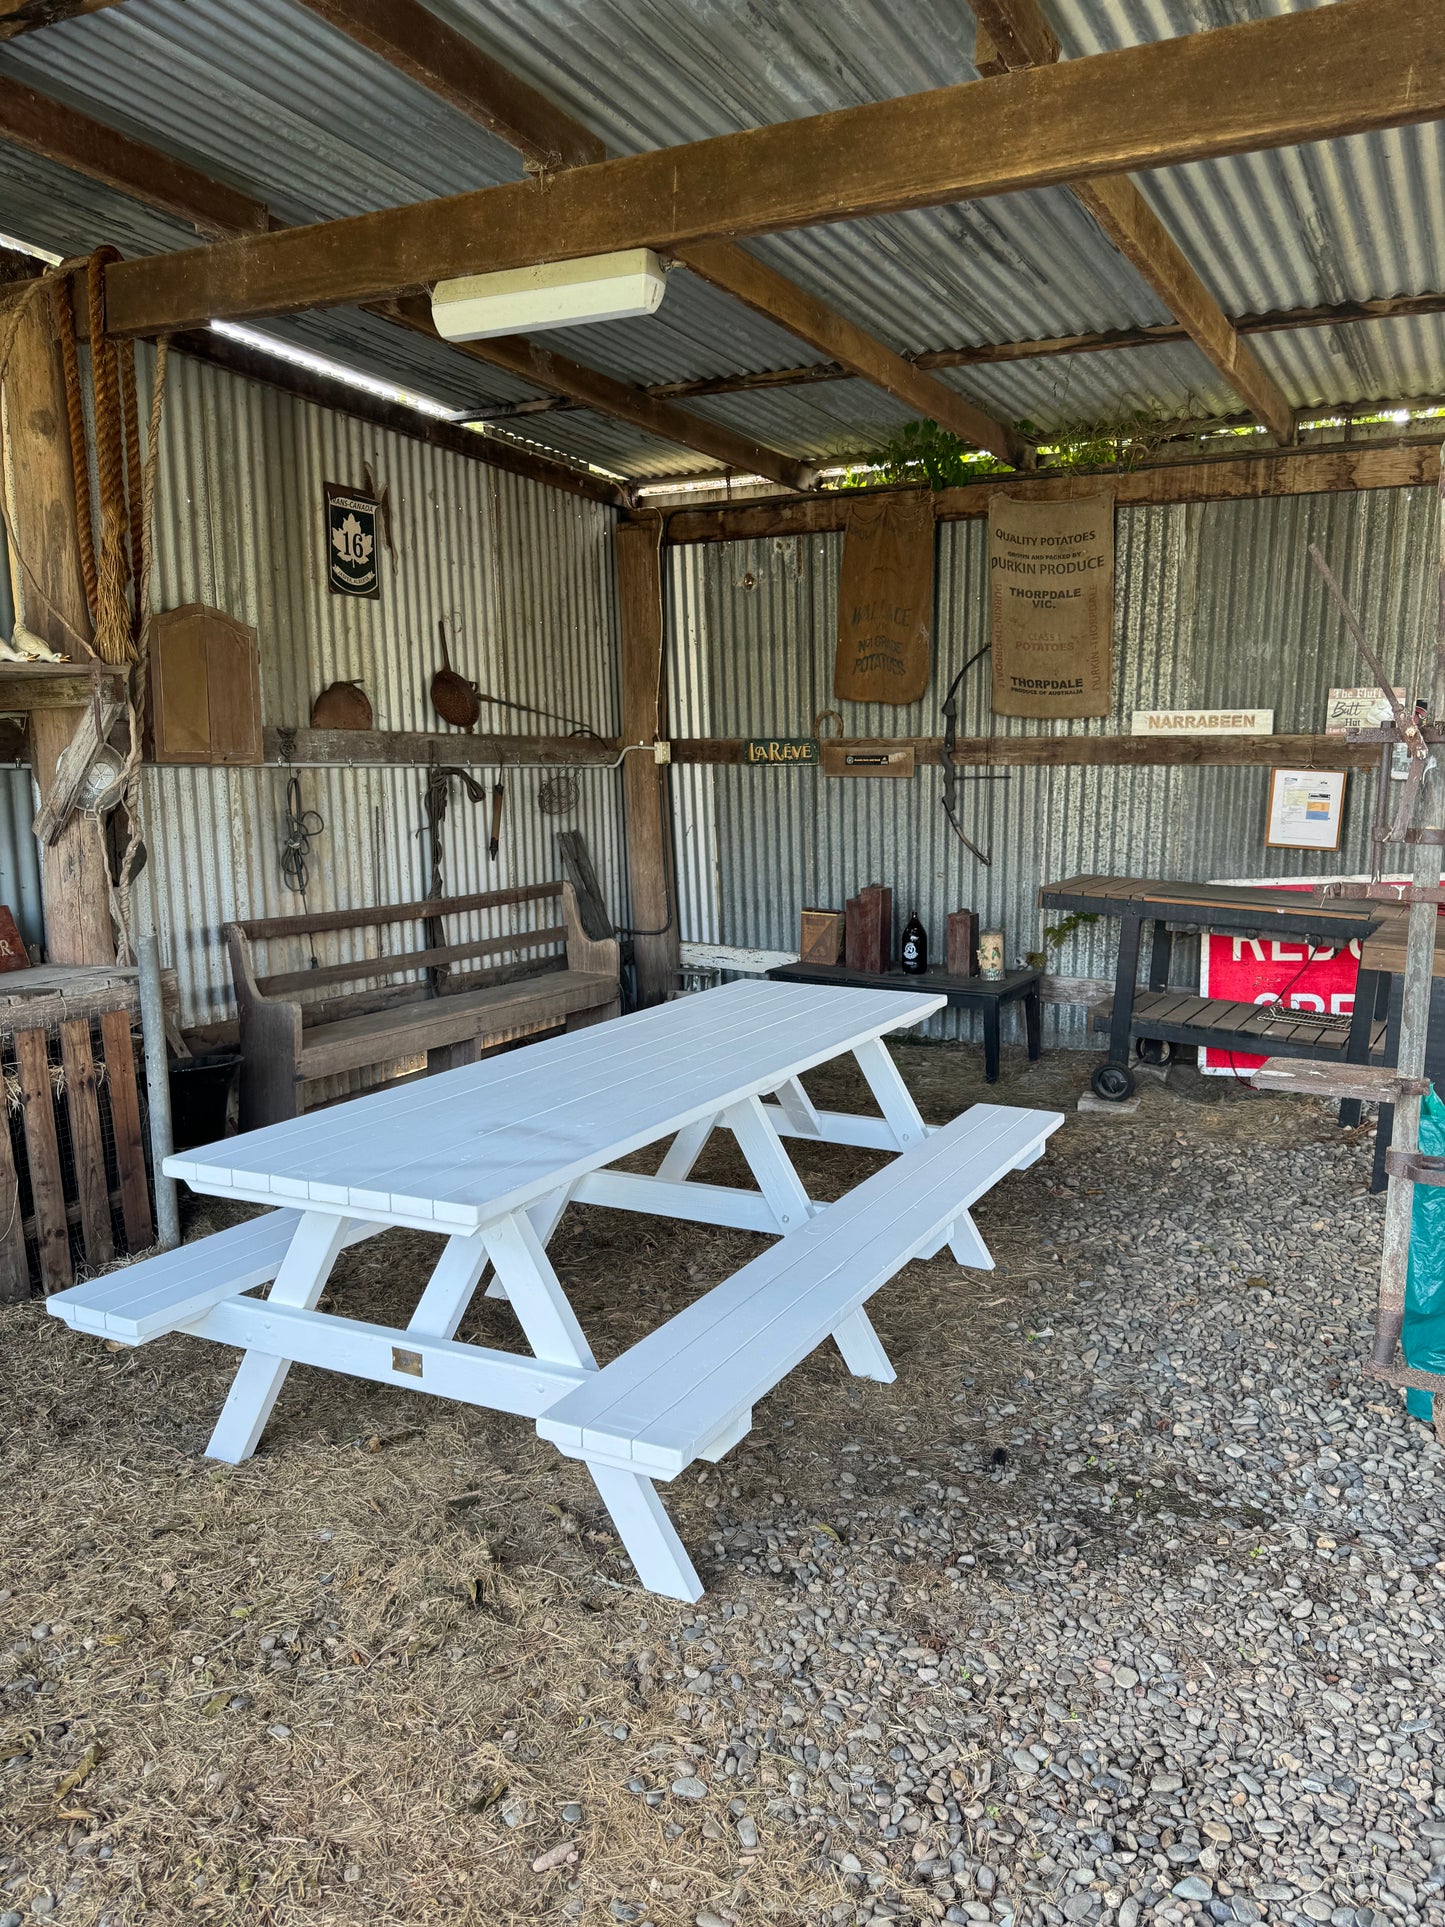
x=951 y=777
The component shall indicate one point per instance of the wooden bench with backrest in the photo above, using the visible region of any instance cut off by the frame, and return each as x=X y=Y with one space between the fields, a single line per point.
x=687 y=1390
x=568 y=979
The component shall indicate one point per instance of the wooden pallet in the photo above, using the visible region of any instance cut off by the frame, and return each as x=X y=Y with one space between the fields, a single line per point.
x=73 y=1177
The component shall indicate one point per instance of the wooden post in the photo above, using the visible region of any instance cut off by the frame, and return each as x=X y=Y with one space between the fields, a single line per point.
x=50 y=595
x=644 y=781
x=1421 y=930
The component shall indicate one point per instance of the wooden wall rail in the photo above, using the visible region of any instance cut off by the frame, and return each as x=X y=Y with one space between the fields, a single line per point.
x=1054 y=751
x=1250 y=478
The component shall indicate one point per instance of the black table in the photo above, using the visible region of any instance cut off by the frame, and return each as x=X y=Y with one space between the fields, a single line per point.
x=967 y=993
x=1159 y=1016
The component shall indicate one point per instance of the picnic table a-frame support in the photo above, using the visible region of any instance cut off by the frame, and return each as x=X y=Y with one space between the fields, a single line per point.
x=286 y=1327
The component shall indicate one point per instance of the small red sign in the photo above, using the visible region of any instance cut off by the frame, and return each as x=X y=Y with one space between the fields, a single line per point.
x=1257 y=970
x=13 y=954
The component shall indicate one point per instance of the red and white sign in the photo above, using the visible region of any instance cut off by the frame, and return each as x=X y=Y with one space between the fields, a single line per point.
x=1257 y=970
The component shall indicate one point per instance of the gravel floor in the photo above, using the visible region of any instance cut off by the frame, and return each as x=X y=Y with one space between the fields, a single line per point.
x=1124 y=1603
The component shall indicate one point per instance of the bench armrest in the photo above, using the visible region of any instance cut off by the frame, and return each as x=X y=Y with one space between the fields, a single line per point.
x=270 y=1042
x=596 y=955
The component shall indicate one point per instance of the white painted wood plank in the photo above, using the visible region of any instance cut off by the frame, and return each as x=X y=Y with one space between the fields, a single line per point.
x=689 y=1202
x=679 y=1385
x=259 y=1378
x=658 y=1556
x=839 y=1127
x=890 y=1093
x=536 y=1294
x=155 y=1295
x=472 y=1374
x=480 y=1141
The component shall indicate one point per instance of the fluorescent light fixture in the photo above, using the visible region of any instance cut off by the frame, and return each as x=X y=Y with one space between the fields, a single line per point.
x=555 y=294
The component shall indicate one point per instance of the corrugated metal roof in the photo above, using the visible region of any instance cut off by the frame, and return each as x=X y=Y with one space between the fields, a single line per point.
x=264 y=95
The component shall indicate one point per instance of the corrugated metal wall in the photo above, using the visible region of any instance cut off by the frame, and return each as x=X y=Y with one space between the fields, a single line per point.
x=1216 y=604
x=521 y=574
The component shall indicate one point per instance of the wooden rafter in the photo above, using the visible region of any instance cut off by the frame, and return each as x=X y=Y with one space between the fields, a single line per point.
x=1297 y=77
x=988 y=353
x=416 y=42
x=24 y=16
x=58 y=133
x=769 y=293
x=412 y=39
x=101 y=153
x=1022 y=39
x=590 y=388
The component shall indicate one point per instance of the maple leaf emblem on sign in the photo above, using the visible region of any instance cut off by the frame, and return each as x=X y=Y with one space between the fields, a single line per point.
x=350 y=541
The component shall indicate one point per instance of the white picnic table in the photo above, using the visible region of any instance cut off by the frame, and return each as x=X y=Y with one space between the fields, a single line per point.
x=489 y=1156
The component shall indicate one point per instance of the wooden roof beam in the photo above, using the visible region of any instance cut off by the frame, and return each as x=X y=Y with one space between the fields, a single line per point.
x=57 y=133
x=413 y=40
x=590 y=388
x=1020 y=38
x=147 y=175
x=1297 y=77
x=24 y=16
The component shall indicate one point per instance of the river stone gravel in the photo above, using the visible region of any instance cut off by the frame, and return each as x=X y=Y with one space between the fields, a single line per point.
x=1178 y=1661
x=1122 y=1605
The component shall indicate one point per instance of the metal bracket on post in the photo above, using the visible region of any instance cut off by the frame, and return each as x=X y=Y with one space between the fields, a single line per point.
x=1416 y=1167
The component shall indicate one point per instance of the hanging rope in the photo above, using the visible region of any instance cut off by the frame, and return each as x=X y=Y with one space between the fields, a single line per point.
x=130 y=779
x=75 y=425
x=41 y=612
x=134 y=481
x=114 y=636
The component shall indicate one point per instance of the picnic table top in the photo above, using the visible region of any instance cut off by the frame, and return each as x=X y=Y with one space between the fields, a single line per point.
x=460 y=1150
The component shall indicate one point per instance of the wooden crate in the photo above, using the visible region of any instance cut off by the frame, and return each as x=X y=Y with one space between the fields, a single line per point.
x=820 y=937
x=962 y=955
x=868 y=929
x=75 y=1189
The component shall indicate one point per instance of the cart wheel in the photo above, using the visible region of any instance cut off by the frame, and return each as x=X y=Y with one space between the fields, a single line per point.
x=1154 y=1050
x=1113 y=1082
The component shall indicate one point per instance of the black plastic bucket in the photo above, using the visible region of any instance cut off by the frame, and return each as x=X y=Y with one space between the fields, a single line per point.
x=201 y=1088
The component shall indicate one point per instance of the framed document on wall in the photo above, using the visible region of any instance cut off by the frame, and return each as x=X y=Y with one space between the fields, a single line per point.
x=1306 y=809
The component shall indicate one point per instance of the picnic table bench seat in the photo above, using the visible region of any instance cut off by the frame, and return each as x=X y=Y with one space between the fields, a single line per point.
x=686 y=1391
x=165 y=1292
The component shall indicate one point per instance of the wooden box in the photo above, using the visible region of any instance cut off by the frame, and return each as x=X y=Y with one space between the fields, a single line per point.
x=205 y=675
x=820 y=937
x=868 y=929
x=962 y=956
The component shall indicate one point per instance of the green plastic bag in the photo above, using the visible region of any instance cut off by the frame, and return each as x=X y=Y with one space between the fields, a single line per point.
x=1422 y=1336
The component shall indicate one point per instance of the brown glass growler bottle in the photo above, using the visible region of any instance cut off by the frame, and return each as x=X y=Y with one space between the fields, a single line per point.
x=915 y=946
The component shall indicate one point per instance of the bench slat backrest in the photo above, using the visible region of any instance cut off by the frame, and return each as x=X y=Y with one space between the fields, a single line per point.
x=660 y=1403
x=424 y=911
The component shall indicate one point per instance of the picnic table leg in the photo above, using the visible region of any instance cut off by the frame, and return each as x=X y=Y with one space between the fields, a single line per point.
x=299 y=1284
x=890 y=1093
x=536 y=1292
x=546 y=1215
x=685 y=1150
x=443 y=1304
x=780 y=1184
x=650 y=1539
x=658 y=1556
x=798 y=1108
x=769 y=1163
x=862 y=1348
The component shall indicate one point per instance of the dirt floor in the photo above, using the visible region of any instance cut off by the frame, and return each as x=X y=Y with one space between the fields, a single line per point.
x=380 y=1672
